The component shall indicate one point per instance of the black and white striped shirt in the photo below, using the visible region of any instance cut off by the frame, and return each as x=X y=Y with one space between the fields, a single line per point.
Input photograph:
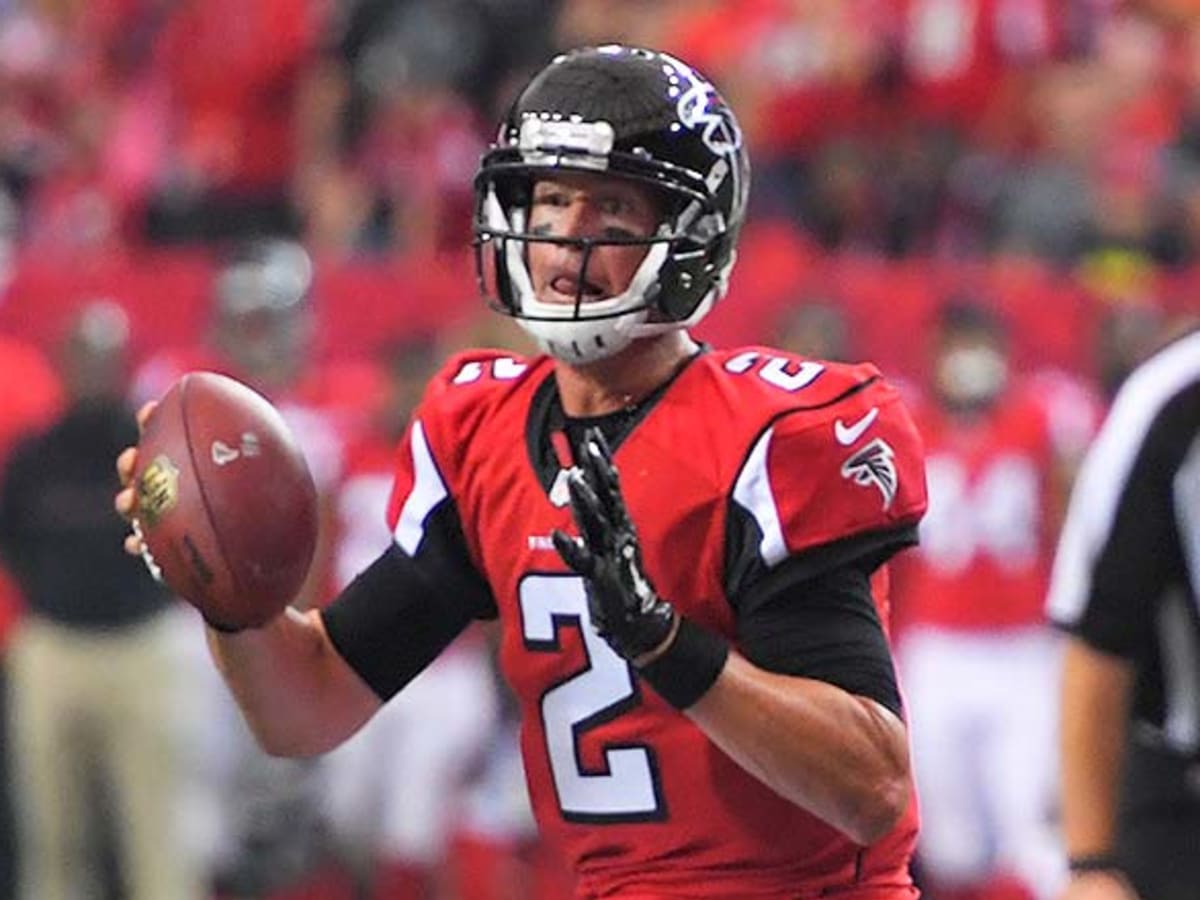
x=1127 y=575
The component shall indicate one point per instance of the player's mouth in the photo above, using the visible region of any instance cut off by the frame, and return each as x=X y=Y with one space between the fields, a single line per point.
x=568 y=288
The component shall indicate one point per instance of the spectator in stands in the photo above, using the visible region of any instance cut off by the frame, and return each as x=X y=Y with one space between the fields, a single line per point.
x=234 y=73
x=1127 y=334
x=815 y=328
x=393 y=118
x=95 y=692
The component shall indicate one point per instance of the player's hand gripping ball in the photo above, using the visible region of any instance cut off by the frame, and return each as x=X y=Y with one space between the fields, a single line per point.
x=225 y=504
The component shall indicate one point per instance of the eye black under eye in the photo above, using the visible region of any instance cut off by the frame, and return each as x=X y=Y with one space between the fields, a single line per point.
x=618 y=233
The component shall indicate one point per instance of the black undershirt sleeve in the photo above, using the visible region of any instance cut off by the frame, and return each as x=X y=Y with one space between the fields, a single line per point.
x=814 y=616
x=402 y=611
x=389 y=623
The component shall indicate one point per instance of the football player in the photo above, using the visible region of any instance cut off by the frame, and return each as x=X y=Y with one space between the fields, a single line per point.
x=972 y=642
x=394 y=788
x=684 y=547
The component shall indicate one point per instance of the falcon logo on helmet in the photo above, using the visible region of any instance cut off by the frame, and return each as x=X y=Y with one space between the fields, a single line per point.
x=718 y=129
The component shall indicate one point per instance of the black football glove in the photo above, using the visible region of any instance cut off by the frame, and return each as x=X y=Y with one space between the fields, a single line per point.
x=626 y=610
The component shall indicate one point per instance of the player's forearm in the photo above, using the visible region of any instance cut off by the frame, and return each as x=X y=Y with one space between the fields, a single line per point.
x=1095 y=711
x=298 y=696
x=841 y=757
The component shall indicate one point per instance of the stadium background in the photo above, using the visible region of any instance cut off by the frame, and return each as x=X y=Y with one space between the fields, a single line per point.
x=1041 y=158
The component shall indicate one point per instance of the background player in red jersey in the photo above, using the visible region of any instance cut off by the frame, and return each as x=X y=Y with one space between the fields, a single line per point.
x=268 y=815
x=972 y=642
x=708 y=701
x=395 y=788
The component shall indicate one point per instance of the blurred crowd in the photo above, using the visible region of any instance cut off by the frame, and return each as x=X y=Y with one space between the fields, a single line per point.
x=996 y=200
x=1065 y=130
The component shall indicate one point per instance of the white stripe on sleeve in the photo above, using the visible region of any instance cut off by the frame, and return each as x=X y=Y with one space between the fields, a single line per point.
x=428 y=491
x=1187 y=514
x=753 y=493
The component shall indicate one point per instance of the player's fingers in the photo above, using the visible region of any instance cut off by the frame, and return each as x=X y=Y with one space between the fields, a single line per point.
x=133 y=544
x=588 y=511
x=596 y=457
x=602 y=475
x=143 y=414
x=573 y=553
x=125 y=463
x=596 y=435
x=124 y=502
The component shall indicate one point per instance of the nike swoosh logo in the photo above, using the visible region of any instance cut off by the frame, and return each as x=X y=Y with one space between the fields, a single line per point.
x=848 y=434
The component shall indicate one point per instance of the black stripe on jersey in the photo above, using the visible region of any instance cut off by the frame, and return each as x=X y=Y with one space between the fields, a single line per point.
x=746 y=571
x=401 y=612
x=1142 y=554
x=1139 y=603
x=544 y=410
x=825 y=404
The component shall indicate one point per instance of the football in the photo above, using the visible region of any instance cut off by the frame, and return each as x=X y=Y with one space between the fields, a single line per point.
x=225 y=503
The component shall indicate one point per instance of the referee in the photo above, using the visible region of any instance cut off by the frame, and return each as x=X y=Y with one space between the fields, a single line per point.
x=1126 y=588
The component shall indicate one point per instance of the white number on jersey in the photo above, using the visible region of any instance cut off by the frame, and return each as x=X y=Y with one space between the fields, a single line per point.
x=777 y=370
x=999 y=514
x=503 y=368
x=628 y=789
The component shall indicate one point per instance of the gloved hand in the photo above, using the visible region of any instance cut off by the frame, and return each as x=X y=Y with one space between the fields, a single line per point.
x=625 y=609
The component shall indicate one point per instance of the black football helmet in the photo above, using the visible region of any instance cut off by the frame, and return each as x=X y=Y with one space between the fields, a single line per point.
x=640 y=115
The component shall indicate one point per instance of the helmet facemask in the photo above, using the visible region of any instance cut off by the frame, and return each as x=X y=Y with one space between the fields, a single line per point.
x=687 y=259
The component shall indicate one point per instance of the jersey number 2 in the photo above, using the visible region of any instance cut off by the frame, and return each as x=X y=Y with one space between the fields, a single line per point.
x=625 y=788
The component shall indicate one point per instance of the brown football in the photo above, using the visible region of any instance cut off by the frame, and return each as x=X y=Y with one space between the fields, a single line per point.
x=226 y=505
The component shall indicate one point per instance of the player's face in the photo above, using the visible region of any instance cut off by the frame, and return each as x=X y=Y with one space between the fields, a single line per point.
x=971 y=370
x=586 y=205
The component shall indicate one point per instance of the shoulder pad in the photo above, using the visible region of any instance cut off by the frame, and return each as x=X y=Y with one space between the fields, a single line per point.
x=471 y=382
x=459 y=399
x=849 y=463
x=482 y=369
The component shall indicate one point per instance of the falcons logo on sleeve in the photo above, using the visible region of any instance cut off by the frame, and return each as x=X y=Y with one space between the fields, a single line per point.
x=874 y=465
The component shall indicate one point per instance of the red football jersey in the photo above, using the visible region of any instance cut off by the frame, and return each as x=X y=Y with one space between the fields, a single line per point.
x=996 y=487
x=642 y=802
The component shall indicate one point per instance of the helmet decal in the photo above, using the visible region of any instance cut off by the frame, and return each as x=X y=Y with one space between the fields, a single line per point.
x=698 y=111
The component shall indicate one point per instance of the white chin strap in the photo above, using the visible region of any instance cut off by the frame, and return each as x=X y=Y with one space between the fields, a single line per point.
x=585 y=340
